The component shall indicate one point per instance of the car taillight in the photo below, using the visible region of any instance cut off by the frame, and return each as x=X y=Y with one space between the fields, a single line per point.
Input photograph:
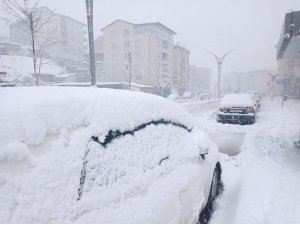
x=250 y=110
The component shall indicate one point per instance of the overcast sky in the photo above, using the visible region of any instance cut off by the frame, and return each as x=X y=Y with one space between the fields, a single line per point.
x=250 y=27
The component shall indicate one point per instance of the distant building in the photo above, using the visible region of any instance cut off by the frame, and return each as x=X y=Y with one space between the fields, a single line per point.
x=180 y=67
x=288 y=54
x=99 y=58
x=144 y=51
x=199 y=79
x=243 y=82
x=67 y=36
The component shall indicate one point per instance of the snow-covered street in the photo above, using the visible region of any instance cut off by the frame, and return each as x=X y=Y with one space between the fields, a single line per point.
x=261 y=165
x=156 y=112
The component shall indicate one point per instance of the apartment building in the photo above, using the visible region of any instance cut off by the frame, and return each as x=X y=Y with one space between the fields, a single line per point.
x=180 y=67
x=142 y=53
x=288 y=55
x=99 y=58
x=66 y=37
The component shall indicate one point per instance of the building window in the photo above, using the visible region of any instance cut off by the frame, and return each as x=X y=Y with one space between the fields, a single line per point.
x=164 y=56
x=114 y=57
x=126 y=32
x=138 y=77
x=114 y=45
x=126 y=44
x=165 y=44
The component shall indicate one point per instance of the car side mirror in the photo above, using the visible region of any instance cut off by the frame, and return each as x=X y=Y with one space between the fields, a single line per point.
x=203 y=152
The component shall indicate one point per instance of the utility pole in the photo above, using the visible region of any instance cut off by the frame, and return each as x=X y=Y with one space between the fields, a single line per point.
x=89 y=13
x=220 y=62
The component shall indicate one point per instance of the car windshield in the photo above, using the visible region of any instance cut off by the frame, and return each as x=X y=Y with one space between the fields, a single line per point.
x=149 y=111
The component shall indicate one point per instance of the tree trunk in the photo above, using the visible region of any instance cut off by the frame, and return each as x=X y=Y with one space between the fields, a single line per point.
x=34 y=57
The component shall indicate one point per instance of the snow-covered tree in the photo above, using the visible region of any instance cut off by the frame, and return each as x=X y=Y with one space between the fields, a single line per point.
x=29 y=17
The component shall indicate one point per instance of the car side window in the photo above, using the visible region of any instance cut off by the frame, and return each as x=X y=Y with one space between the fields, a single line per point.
x=142 y=155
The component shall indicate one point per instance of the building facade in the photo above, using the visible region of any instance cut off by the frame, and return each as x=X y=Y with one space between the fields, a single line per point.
x=288 y=55
x=139 y=53
x=64 y=36
x=99 y=58
x=180 y=67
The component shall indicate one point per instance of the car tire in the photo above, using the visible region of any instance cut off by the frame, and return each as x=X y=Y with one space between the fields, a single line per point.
x=216 y=188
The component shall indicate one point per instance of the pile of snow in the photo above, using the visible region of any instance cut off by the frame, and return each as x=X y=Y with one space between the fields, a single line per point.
x=20 y=67
x=237 y=100
x=173 y=97
x=44 y=136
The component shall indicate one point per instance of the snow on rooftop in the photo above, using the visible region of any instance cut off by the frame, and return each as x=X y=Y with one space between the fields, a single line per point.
x=238 y=100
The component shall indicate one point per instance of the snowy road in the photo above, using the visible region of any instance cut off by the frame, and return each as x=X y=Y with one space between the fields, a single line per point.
x=261 y=167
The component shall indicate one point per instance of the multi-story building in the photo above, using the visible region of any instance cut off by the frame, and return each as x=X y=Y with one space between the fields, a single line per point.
x=99 y=58
x=141 y=53
x=199 y=79
x=180 y=67
x=288 y=54
x=65 y=37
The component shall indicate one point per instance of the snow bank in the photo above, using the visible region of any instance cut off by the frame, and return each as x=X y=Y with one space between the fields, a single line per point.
x=19 y=67
x=238 y=100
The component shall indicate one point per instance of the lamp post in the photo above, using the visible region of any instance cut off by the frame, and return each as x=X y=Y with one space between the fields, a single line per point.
x=89 y=13
x=220 y=62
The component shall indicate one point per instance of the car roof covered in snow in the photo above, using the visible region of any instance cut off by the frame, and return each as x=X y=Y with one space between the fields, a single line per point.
x=238 y=100
x=28 y=114
x=57 y=174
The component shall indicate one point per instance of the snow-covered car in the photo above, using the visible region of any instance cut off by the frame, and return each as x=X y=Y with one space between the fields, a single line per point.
x=88 y=155
x=256 y=96
x=237 y=108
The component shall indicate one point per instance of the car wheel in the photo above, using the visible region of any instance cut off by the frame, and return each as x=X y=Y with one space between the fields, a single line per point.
x=215 y=189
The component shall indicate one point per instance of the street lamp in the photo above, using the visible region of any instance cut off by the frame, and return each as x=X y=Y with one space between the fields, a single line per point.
x=220 y=61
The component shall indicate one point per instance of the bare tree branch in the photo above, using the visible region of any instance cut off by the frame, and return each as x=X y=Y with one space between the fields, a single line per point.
x=32 y=21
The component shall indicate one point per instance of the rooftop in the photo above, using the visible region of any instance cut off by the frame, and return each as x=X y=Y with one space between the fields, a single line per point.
x=140 y=24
